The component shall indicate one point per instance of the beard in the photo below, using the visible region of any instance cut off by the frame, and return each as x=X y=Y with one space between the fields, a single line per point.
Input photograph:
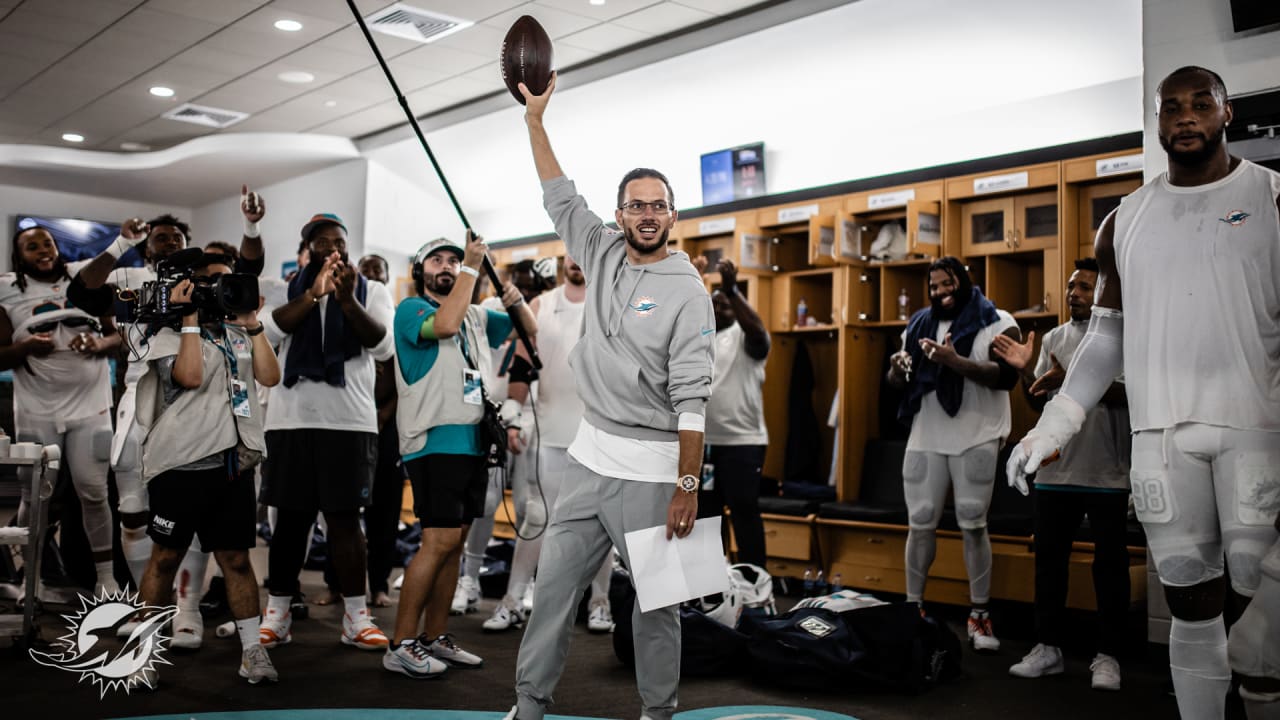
x=637 y=244
x=946 y=313
x=58 y=270
x=1190 y=158
x=577 y=279
x=440 y=283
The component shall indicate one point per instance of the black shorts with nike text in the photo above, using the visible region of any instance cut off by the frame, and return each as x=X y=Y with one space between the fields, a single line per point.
x=219 y=508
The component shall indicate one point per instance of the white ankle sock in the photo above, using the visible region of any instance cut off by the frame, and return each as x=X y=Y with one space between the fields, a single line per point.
x=1198 y=663
x=279 y=604
x=106 y=576
x=355 y=605
x=248 y=630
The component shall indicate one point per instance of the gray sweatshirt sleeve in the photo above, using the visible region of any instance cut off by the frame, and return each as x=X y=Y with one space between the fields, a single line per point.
x=691 y=354
x=583 y=232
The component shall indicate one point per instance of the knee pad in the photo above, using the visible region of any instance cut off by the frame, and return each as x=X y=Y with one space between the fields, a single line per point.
x=1244 y=560
x=101 y=444
x=971 y=515
x=1185 y=565
x=133 y=494
x=1254 y=644
x=921 y=516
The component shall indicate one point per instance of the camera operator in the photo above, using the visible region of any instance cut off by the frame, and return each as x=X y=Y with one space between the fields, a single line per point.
x=156 y=240
x=202 y=424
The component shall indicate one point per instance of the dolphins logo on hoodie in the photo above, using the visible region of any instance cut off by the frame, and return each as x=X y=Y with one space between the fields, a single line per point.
x=644 y=306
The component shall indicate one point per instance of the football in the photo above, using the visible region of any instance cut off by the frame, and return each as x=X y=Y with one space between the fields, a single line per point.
x=526 y=57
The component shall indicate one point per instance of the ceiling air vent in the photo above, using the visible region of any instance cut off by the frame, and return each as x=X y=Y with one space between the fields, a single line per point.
x=207 y=116
x=416 y=24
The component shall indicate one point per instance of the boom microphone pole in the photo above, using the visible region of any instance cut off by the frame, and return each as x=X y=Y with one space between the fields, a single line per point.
x=417 y=130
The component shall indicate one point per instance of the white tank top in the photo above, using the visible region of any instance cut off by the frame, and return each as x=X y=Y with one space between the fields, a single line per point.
x=559 y=407
x=1198 y=273
x=63 y=385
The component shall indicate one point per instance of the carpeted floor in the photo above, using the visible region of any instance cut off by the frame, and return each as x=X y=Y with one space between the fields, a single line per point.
x=318 y=672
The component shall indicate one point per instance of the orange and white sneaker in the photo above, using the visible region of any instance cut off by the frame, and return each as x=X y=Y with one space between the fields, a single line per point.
x=361 y=632
x=275 y=628
x=981 y=636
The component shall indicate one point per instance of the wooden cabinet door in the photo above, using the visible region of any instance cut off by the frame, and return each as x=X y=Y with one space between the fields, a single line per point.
x=822 y=240
x=1036 y=221
x=924 y=228
x=986 y=226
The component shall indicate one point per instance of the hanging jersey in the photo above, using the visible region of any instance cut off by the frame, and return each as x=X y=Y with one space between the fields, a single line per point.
x=1098 y=456
x=560 y=408
x=1198 y=268
x=735 y=412
x=64 y=385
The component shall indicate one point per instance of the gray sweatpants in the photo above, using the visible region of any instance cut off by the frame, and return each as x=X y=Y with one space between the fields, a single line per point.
x=593 y=514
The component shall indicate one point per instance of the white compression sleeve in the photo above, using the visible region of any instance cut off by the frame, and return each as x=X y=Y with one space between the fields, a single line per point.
x=1098 y=361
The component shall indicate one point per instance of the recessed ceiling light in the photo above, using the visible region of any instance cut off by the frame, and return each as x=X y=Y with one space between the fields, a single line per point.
x=134 y=146
x=331 y=103
x=162 y=91
x=73 y=137
x=288 y=25
x=296 y=76
x=597 y=2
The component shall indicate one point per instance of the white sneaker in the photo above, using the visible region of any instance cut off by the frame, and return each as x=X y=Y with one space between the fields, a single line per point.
x=526 y=602
x=411 y=658
x=255 y=665
x=599 y=616
x=1042 y=660
x=1106 y=672
x=508 y=614
x=466 y=597
x=275 y=628
x=444 y=648
x=188 y=630
x=359 y=631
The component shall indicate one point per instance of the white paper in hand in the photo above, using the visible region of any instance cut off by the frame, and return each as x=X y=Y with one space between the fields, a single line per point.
x=666 y=572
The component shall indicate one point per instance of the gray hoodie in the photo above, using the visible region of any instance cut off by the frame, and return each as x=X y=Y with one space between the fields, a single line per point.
x=647 y=346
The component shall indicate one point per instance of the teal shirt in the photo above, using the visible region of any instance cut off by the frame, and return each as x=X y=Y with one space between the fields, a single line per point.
x=415 y=356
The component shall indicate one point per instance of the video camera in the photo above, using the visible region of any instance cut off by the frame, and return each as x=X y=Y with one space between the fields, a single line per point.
x=225 y=297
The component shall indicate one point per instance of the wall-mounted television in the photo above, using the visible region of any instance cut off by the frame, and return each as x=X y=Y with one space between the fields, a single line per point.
x=733 y=174
x=1253 y=14
x=79 y=239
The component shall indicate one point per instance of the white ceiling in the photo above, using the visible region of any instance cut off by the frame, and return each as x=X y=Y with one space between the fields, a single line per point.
x=85 y=66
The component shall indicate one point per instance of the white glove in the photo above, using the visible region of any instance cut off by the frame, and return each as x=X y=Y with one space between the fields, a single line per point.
x=1060 y=421
x=510 y=412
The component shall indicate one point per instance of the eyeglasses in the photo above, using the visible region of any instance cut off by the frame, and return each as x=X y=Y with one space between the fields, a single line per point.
x=636 y=207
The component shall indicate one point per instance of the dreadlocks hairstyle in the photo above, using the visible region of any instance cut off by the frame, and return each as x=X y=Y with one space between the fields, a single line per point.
x=15 y=257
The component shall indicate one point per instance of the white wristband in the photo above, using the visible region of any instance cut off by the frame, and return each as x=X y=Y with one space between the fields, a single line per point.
x=121 y=246
x=510 y=411
x=190 y=331
x=251 y=229
x=469 y=270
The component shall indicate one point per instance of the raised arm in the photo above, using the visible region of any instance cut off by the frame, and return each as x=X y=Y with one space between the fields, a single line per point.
x=543 y=157
x=253 y=208
x=94 y=275
x=755 y=338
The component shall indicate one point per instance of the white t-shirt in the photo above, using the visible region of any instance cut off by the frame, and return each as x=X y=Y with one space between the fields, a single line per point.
x=626 y=458
x=319 y=405
x=984 y=413
x=1098 y=456
x=560 y=408
x=63 y=385
x=735 y=412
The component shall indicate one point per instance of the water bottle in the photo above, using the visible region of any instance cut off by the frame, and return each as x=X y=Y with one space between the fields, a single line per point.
x=802 y=313
x=820 y=584
x=808 y=582
x=837 y=583
x=904 y=305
